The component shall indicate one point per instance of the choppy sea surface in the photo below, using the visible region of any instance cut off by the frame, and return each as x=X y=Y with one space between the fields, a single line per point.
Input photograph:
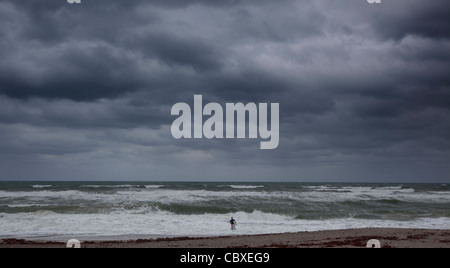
x=58 y=210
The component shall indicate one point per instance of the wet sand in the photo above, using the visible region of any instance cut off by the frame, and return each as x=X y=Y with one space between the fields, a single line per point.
x=351 y=238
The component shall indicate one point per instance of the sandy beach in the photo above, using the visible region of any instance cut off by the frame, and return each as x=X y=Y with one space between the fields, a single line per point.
x=351 y=238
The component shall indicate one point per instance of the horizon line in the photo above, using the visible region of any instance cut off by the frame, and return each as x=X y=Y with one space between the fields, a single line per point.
x=220 y=181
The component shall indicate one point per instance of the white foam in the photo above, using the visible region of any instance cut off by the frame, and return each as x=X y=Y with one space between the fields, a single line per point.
x=162 y=223
x=326 y=193
x=69 y=194
x=41 y=186
x=27 y=205
x=183 y=196
x=246 y=186
x=153 y=186
x=108 y=186
x=154 y=194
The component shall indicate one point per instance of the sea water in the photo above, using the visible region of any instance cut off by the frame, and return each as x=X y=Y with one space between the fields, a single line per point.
x=58 y=210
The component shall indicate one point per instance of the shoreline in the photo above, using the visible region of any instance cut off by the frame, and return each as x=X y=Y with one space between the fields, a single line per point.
x=347 y=238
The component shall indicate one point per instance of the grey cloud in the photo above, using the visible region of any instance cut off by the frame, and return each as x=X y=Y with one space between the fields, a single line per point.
x=36 y=141
x=115 y=114
x=402 y=18
x=171 y=50
x=361 y=87
x=92 y=58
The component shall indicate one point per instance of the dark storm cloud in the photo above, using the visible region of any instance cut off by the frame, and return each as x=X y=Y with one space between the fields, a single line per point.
x=174 y=51
x=87 y=54
x=115 y=114
x=72 y=72
x=360 y=86
x=428 y=19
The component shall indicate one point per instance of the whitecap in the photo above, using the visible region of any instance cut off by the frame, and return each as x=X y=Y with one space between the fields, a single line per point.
x=153 y=186
x=41 y=186
x=246 y=186
x=108 y=186
x=27 y=205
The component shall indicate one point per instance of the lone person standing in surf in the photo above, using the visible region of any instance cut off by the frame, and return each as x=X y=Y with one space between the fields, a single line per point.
x=233 y=223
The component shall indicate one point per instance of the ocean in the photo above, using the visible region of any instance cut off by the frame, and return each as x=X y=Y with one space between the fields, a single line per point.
x=131 y=210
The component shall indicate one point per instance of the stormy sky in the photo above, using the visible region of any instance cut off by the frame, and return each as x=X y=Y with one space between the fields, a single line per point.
x=86 y=89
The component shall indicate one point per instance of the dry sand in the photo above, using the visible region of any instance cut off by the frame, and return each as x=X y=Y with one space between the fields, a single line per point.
x=352 y=238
